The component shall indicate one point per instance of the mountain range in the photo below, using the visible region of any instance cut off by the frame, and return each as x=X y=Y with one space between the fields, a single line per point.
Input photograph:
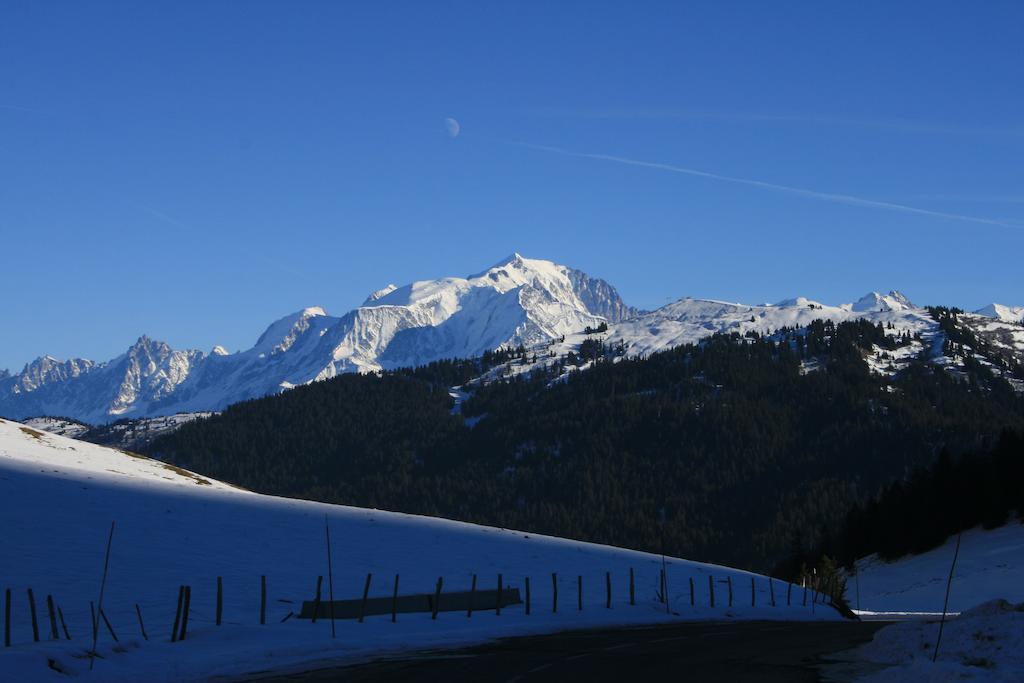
x=518 y=301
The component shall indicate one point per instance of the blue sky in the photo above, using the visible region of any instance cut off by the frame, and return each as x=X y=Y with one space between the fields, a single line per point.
x=193 y=171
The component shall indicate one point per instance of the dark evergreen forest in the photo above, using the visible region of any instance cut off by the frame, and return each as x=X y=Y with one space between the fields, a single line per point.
x=738 y=450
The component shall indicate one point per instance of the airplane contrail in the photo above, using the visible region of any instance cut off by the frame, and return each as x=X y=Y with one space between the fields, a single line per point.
x=814 y=194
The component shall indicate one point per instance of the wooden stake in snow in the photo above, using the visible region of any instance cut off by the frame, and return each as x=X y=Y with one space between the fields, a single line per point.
x=103 y=586
x=394 y=602
x=472 y=598
x=579 y=591
x=554 y=592
x=103 y=615
x=711 y=589
x=527 y=594
x=753 y=592
x=945 y=604
x=608 y=589
x=142 y=626
x=35 y=622
x=263 y=600
x=177 y=614
x=63 y=624
x=692 y=599
x=316 y=600
x=184 y=612
x=771 y=590
x=729 y=580
x=632 y=588
x=7 y=618
x=220 y=599
x=437 y=597
x=789 y=593
x=53 y=618
x=330 y=579
x=362 y=605
x=497 y=610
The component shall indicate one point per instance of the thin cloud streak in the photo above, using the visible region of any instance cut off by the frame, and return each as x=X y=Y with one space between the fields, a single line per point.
x=814 y=194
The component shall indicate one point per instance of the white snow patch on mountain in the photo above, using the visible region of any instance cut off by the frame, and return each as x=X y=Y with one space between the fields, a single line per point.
x=1008 y=314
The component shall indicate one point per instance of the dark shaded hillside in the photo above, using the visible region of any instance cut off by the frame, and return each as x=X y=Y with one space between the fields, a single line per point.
x=745 y=456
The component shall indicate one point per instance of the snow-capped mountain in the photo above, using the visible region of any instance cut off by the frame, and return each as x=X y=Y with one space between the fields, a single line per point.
x=1007 y=314
x=517 y=301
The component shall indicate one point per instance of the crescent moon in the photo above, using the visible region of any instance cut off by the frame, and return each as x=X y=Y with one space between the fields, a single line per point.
x=453 y=127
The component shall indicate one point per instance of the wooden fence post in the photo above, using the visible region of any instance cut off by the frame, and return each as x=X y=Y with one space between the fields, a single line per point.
x=142 y=626
x=394 y=602
x=632 y=588
x=711 y=589
x=184 y=612
x=472 y=598
x=437 y=596
x=692 y=601
x=729 y=579
x=316 y=600
x=771 y=590
x=103 y=615
x=753 y=593
x=579 y=591
x=220 y=599
x=608 y=589
x=789 y=593
x=527 y=595
x=7 y=618
x=366 y=592
x=35 y=622
x=805 y=595
x=63 y=624
x=53 y=618
x=498 y=610
x=177 y=614
x=95 y=627
x=263 y=599
x=554 y=592
x=662 y=591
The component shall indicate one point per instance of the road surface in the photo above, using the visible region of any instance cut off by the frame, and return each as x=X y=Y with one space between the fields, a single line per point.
x=695 y=651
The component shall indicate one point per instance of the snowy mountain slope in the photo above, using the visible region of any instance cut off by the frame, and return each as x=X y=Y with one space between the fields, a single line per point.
x=988 y=567
x=174 y=527
x=690 y=320
x=517 y=301
x=1007 y=314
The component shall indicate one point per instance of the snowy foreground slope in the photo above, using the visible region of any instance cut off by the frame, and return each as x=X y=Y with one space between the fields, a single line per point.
x=174 y=527
x=990 y=566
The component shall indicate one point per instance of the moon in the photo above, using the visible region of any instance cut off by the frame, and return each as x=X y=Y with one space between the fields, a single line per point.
x=453 y=127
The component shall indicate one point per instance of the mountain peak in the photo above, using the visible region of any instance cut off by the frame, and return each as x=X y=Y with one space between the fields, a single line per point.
x=380 y=294
x=891 y=302
x=1008 y=314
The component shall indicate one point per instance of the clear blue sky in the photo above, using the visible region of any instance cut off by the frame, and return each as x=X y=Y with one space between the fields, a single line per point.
x=193 y=170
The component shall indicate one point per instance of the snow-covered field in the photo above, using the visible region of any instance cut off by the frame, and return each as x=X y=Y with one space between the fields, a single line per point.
x=59 y=497
x=985 y=643
x=990 y=566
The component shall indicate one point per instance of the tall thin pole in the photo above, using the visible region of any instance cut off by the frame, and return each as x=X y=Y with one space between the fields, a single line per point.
x=945 y=604
x=103 y=586
x=330 y=574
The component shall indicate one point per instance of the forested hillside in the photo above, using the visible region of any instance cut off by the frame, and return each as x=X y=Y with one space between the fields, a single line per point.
x=738 y=450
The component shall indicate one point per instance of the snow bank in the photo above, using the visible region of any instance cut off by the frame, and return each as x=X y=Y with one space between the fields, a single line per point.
x=989 y=567
x=983 y=643
x=174 y=527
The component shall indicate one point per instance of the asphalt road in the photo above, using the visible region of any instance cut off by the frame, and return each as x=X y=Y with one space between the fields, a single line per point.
x=709 y=651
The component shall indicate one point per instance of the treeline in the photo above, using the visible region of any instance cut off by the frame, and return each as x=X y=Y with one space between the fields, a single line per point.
x=749 y=448
x=981 y=488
